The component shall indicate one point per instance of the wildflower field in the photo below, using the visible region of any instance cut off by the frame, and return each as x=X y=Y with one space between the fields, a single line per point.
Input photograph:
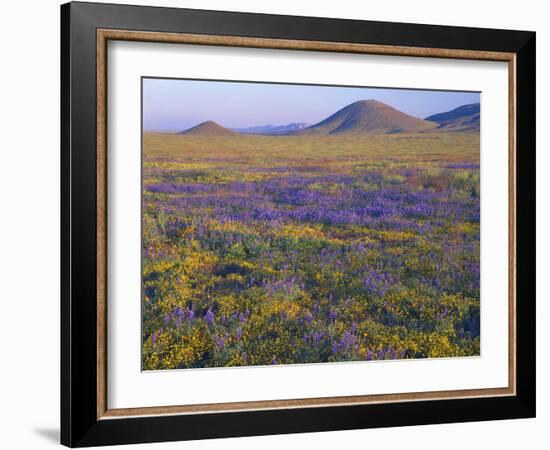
x=262 y=250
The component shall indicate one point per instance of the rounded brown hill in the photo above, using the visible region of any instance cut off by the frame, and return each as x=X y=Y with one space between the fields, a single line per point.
x=209 y=128
x=369 y=117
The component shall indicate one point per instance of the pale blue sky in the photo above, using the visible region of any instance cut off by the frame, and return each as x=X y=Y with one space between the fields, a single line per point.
x=170 y=104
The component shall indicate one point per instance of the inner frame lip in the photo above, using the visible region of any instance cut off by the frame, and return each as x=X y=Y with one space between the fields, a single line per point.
x=106 y=34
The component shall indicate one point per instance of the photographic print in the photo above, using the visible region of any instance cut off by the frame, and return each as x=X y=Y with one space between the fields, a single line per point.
x=300 y=224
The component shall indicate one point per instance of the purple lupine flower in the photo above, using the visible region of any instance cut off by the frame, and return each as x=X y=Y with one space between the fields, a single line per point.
x=463 y=166
x=309 y=317
x=179 y=315
x=333 y=314
x=459 y=280
x=317 y=337
x=209 y=317
x=166 y=319
x=334 y=347
x=369 y=355
x=273 y=361
x=221 y=342
x=239 y=333
x=381 y=354
x=190 y=314
x=154 y=338
x=245 y=357
x=244 y=316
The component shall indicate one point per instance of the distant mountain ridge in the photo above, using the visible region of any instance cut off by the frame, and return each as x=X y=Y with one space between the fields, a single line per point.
x=273 y=129
x=359 y=118
x=464 y=118
x=368 y=117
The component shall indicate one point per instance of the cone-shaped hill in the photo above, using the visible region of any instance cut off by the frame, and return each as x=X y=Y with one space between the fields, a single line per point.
x=209 y=128
x=368 y=117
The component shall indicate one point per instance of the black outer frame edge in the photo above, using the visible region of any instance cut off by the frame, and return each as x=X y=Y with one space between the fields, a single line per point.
x=302 y=420
x=79 y=252
x=79 y=426
x=526 y=223
x=178 y=20
x=65 y=227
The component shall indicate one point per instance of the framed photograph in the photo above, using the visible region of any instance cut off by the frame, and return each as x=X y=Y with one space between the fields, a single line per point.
x=276 y=224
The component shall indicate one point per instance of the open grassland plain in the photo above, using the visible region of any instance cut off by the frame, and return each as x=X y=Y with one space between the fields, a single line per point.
x=263 y=250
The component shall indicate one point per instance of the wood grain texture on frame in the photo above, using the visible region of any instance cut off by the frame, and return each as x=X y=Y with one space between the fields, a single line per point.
x=101 y=226
x=103 y=36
